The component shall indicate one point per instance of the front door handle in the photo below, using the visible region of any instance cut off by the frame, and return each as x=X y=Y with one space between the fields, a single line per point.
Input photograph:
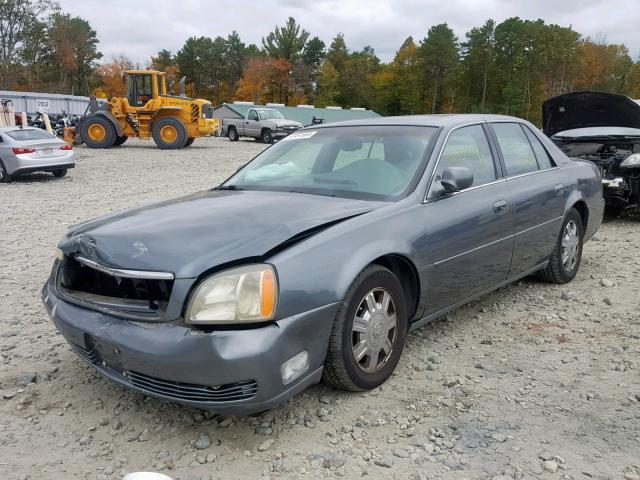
x=501 y=206
x=559 y=188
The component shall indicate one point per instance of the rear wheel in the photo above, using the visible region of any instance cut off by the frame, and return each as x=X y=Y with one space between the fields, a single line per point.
x=189 y=142
x=120 y=140
x=232 y=134
x=565 y=260
x=368 y=333
x=4 y=176
x=99 y=132
x=169 y=133
x=60 y=172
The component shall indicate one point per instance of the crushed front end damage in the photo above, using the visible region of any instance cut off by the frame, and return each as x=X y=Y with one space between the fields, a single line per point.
x=603 y=128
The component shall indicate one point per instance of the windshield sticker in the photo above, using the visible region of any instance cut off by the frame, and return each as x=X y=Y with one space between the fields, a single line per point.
x=300 y=135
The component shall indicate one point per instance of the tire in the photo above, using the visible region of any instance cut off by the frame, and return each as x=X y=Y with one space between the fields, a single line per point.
x=60 y=172
x=98 y=132
x=189 y=142
x=120 y=140
x=4 y=176
x=341 y=369
x=570 y=241
x=266 y=136
x=169 y=133
x=233 y=134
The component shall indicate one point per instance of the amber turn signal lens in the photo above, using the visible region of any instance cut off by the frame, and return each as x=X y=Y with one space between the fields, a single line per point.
x=268 y=289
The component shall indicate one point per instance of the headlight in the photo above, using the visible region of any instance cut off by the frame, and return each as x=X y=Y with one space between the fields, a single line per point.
x=240 y=295
x=631 y=161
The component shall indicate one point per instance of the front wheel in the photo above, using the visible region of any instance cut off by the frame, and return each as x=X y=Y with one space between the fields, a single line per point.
x=266 y=136
x=368 y=333
x=169 y=133
x=566 y=257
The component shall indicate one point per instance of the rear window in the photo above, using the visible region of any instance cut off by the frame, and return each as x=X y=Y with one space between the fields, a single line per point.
x=36 y=134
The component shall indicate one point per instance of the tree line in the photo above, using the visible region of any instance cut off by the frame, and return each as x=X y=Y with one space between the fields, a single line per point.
x=509 y=67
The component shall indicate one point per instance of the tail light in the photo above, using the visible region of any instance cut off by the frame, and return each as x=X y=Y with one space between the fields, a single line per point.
x=66 y=147
x=19 y=151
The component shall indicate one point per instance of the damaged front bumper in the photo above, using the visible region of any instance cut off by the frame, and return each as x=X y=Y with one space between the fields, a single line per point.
x=229 y=371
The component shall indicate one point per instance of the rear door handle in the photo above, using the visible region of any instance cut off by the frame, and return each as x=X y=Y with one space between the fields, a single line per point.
x=501 y=206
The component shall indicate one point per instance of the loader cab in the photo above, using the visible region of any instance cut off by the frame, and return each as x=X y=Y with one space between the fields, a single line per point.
x=144 y=85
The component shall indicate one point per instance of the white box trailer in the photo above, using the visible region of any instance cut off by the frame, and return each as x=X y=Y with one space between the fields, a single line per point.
x=51 y=103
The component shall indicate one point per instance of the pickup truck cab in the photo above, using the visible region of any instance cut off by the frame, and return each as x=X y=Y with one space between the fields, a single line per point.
x=265 y=124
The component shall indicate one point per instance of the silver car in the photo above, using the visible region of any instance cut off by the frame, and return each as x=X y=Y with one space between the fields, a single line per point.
x=28 y=149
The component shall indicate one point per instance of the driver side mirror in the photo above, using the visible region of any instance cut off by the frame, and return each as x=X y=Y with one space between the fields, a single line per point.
x=455 y=179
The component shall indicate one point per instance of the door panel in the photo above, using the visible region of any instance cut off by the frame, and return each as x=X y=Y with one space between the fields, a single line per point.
x=537 y=193
x=251 y=124
x=469 y=243
x=538 y=204
x=469 y=246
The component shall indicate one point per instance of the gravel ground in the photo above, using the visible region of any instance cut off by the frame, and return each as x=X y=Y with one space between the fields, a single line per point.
x=534 y=381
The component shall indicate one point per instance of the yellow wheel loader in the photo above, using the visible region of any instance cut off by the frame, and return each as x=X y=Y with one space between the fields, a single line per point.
x=148 y=112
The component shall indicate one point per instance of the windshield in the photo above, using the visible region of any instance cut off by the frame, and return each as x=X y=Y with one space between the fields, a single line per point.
x=377 y=162
x=268 y=114
x=30 y=134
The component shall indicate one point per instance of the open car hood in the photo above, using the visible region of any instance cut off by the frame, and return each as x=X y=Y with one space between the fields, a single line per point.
x=589 y=109
x=189 y=235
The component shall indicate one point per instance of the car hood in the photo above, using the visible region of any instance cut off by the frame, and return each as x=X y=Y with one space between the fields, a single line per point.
x=589 y=109
x=189 y=235
x=286 y=123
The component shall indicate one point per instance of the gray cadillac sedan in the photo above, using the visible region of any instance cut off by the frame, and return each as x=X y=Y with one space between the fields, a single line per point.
x=315 y=259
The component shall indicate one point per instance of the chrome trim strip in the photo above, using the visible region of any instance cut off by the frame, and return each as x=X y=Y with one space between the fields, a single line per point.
x=117 y=272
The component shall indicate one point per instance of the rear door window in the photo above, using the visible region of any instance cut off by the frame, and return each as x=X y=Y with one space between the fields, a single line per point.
x=515 y=147
x=543 y=157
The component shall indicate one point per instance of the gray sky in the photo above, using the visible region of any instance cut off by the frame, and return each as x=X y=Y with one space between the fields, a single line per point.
x=139 y=28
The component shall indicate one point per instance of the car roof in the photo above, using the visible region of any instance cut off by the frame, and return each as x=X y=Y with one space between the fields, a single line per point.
x=438 y=120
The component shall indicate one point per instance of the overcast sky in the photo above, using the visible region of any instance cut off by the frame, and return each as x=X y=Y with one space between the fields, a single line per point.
x=140 y=28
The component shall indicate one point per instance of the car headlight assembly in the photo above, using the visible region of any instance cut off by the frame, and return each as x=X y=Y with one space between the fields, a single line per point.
x=245 y=294
x=632 y=161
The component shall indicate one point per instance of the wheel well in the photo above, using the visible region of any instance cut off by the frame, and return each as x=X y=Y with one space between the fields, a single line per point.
x=583 y=210
x=406 y=272
x=263 y=129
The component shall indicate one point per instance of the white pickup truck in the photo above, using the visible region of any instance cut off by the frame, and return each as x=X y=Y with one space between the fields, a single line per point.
x=265 y=124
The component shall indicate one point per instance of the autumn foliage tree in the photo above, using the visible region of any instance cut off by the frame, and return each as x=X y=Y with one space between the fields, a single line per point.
x=112 y=77
x=264 y=80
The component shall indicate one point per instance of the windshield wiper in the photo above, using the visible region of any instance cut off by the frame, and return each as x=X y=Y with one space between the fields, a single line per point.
x=227 y=187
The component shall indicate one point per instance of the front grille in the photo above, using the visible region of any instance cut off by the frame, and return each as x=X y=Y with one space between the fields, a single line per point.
x=207 y=110
x=195 y=111
x=194 y=393
x=87 y=354
x=139 y=298
x=291 y=127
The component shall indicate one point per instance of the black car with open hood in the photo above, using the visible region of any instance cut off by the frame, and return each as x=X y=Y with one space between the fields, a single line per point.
x=603 y=128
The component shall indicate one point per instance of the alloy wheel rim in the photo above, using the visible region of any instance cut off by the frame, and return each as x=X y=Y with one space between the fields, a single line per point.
x=374 y=330
x=570 y=246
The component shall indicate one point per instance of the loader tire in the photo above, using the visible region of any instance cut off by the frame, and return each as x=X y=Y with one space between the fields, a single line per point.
x=189 y=142
x=98 y=132
x=169 y=133
x=120 y=140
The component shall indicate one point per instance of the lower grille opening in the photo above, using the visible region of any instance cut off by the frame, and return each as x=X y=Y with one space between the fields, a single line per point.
x=194 y=393
x=85 y=353
x=136 y=297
